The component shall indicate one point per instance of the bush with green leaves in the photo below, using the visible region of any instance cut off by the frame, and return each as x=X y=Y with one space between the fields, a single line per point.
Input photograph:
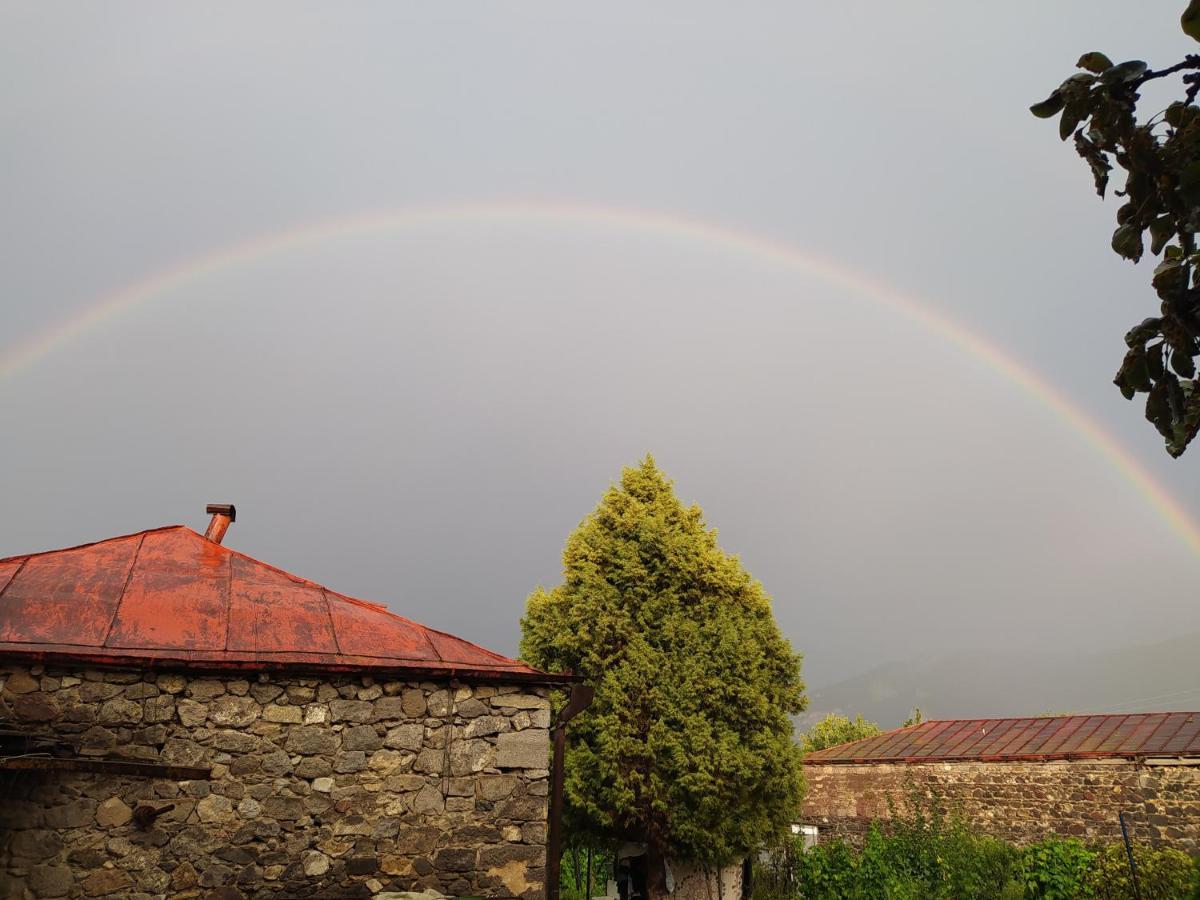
x=1161 y=873
x=1057 y=870
x=924 y=854
x=837 y=729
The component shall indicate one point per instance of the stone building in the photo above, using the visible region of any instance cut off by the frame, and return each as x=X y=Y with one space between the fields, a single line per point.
x=178 y=719
x=1021 y=779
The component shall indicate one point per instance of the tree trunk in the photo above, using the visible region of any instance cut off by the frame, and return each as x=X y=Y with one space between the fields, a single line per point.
x=588 y=895
x=656 y=870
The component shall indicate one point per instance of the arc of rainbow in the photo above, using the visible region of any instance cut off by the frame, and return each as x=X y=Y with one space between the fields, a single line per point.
x=755 y=246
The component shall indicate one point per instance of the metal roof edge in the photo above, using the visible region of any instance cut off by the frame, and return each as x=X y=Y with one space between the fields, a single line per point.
x=176 y=661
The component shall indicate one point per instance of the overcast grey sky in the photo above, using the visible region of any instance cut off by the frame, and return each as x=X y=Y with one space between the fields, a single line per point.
x=420 y=414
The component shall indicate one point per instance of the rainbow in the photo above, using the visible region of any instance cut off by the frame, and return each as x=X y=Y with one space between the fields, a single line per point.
x=762 y=249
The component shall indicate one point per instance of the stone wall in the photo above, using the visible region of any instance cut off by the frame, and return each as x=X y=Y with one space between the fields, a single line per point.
x=337 y=787
x=1021 y=802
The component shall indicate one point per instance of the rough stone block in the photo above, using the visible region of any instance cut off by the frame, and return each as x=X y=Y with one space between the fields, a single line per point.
x=496 y=787
x=351 y=711
x=314 y=767
x=349 y=761
x=120 y=711
x=405 y=737
x=233 y=711
x=215 y=808
x=113 y=813
x=105 y=881
x=362 y=737
x=439 y=703
x=520 y=701
x=50 y=881
x=485 y=725
x=289 y=714
x=413 y=703
x=20 y=682
x=429 y=800
x=468 y=757
x=529 y=749
x=204 y=689
x=310 y=740
x=75 y=814
x=455 y=859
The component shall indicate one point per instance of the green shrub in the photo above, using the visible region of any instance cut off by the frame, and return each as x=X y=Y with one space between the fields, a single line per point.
x=925 y=855
x=1162 y=874
x=1057 y=869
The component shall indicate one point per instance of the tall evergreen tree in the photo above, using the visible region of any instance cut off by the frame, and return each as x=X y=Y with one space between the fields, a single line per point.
x=688 y=745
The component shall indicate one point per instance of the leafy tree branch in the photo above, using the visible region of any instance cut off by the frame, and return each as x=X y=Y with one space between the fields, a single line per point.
x=1160 y=156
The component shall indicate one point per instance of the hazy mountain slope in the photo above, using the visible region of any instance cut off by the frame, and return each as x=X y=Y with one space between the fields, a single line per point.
x=1162 y=676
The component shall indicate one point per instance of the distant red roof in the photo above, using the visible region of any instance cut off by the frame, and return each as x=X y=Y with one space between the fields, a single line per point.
x=171 y=598
x=1132 y=736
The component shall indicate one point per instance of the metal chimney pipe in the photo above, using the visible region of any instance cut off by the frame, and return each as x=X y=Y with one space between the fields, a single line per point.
x=222 y=515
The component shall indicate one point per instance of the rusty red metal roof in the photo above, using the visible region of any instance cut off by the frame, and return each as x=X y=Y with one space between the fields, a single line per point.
x=168 y=597
x=1128 y=735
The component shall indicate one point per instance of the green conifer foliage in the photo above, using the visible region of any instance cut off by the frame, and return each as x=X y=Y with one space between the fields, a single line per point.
x=688 y=745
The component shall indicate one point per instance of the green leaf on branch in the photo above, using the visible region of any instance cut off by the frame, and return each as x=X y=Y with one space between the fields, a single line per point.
x=1161 y=230
x=1169 y=277
x=1154 y=362
x=1048 y=108
x=1139 y=334
x=1189 y=183
x=1190 y=20
x=1183 y=364
x=1127 y=241
x=1158 y=410
x=1071 y=117
x=1174 y=114
x=1136 y=371
x=1123 y=73
x=1094 y=62
x=1096 y=159
x=1123 y=384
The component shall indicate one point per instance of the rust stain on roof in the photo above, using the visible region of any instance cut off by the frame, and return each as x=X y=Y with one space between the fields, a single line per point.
x=168 y=597
x=1127 y=735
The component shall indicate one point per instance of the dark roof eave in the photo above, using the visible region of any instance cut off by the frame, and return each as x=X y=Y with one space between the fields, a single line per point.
x=1031 y=757
x=285 y=663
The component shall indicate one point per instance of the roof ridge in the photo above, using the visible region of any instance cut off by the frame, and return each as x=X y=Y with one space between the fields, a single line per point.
x=258 y=562
x=84 y=546
x=395 y=615
x=1081 y=715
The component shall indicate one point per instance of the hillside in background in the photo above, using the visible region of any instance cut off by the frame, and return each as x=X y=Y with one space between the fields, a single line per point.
x=1143 y=678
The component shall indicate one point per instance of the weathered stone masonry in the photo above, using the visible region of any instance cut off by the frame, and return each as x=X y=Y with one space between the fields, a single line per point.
x=1020 y=801
x=321 y=787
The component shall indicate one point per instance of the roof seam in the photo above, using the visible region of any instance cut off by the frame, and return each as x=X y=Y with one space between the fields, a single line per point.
x=1166 y=742
x=229 y=601
x=121 y=596
x=429 y=641
x=20 y=568
x=329 y=616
